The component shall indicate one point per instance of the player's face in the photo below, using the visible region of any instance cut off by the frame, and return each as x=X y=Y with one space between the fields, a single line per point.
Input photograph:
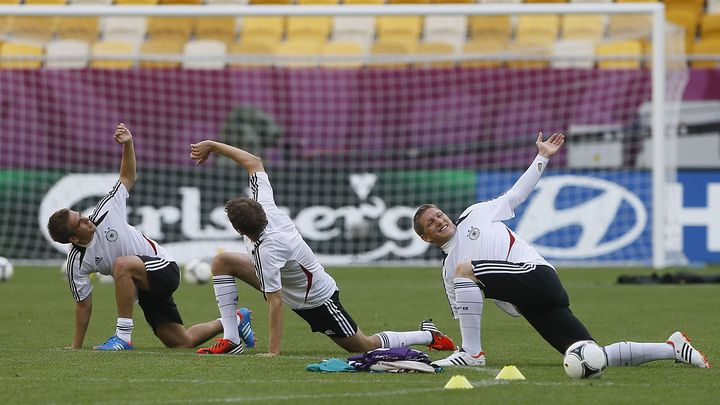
x=83 y=228
x=438 y=227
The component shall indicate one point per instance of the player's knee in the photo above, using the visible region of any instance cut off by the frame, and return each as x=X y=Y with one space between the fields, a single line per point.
x=122 y=267
x=464 y=270
x=221 y=264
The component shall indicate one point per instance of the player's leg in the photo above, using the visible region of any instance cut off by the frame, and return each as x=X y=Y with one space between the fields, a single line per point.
x=174 y=335
x=469 y=300
x=237 y=265
x=676 y=348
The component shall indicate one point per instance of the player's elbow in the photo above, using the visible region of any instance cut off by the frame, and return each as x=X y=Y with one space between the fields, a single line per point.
x=255 y=164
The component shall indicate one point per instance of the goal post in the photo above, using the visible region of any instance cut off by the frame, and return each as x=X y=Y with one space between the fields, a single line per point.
x=374 y=130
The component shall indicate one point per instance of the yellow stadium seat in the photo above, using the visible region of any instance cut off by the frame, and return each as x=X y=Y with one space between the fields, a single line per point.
x=33 y=28
x=688 y=19
x=251 y=49
x=709 y=46
x=182 y=2
x=436 y=49
x=262 y=28
x=346 y=49
x=17 y=49
x=215 y=28
x=161 y=47
x=495 y=28
x=170 y=28
x=44 y=2
x=710 y=26
x=310 y=28
x=329 y=2
x=583 y=27
x=392 y=48
x=270 y=2
x=115 y=49
x=408 y=1
x=483 y=47
x=620 y=48
x=136 y=2
x=364 y=2
x=629 y=25
x=454 y=1
x=636 y=1
x=398 y=28
x=532 y=47
x=5 y=25
x=537 y=28
x=82 y=28
x=9 y=2
x=298 y=53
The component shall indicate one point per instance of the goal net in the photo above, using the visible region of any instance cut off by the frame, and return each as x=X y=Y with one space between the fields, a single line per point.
x=354 y=143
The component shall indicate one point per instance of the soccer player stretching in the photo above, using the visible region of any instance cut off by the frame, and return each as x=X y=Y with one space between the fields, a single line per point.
x=284 y=268
x=485 y=256
x=105 y=243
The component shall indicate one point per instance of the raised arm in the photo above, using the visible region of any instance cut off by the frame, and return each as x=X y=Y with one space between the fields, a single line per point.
x=128 y=173
x=199 y=152
x=526 y=183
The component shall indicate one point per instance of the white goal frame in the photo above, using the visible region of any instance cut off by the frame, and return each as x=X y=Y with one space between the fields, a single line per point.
x=656 y=10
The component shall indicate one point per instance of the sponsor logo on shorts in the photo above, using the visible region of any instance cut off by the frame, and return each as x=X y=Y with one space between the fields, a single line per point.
x=329 y=332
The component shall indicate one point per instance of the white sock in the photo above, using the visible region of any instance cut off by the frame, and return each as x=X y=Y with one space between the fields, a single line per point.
x=633 y=354
x=469 y=300
x=227 y=298
x=124 y=328
x=403 y=339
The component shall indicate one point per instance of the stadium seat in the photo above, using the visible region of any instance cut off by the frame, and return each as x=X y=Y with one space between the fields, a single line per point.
x=249 y=50
x=546 y=1
x=363 y=1
x=358 y=29
x=636 y=1
x=500 y=1
x=32 y=28
x=182 y=2
x=537 y=28
x=204 y=54
x=583 y=27
x=18 y=49
x=81 y=28
x=114 y=49
x=494 y=28
x=591 y=1
x=262 y=28
x=136 y=2
x=91 y=2
x=170 y=28
x=448 y=29
x=328 y=2
x=10 y=2
x=483 y=47
x=298 y=53
x=227 y=2
x=67 y=54
x=216 y=28
x=620 y=48
x=44 y=2
x=710 y=26
x=628 y=25
x=687 y=19
x=270 y=2
x=401 y=28
x=534 y=47
x=572 y=50
x=310 y=28
x=347 y=49
x=408 y=1
x=453 y=1
x=435 y=49
x=394 y=47
x=161 y=47
x=713 y=6
x=706 y=46
x=127 y=29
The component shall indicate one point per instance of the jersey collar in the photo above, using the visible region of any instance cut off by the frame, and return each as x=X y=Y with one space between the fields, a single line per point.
x=447 y=247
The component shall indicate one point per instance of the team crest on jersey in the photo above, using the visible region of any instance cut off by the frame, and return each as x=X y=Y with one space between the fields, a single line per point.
x=111 y=235
x=473 y=233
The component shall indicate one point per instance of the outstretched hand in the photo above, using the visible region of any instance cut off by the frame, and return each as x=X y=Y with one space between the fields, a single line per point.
x=122 y=134
x=549 y=147
x=199 y=152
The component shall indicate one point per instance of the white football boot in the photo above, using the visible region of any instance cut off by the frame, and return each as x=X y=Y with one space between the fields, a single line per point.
x=461 y=358
x=685 y=353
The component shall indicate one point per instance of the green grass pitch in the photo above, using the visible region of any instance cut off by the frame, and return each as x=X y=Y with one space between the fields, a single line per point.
x=36 y=322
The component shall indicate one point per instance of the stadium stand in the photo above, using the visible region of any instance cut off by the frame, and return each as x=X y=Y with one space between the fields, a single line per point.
x=114 y=49
x=337 y=48
x=160 y=47
x=67 y=54
x=620 y=48
x=18 y=49
x=204 y=54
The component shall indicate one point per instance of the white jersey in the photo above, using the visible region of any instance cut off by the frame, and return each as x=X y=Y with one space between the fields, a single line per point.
x=282 y=259
x=113 y=238
x=481 y=234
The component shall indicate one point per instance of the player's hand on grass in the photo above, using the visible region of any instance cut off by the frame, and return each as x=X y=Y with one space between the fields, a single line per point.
x=122 y=134
x=199 y=152
x=549 y=147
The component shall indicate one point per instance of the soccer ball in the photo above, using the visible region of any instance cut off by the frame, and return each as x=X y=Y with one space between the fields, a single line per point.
x=584 y=359
x=197 y=271
x=6 y=269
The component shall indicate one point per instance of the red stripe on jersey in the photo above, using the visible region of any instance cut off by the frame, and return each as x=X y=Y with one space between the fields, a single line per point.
x=512 y=242
x=152 y=244
x=309 y=276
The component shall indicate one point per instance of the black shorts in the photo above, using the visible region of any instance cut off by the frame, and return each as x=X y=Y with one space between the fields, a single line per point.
x=330 y=318
x=539 y=295
x=158 y=304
